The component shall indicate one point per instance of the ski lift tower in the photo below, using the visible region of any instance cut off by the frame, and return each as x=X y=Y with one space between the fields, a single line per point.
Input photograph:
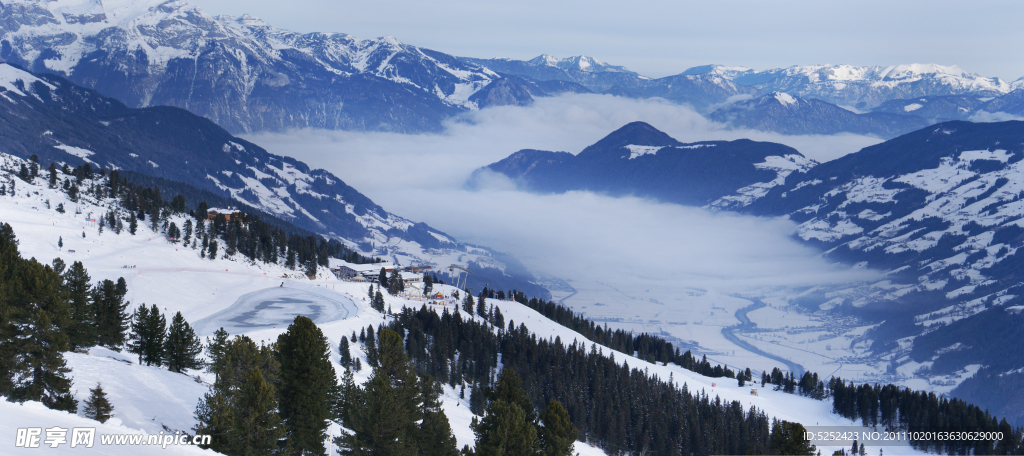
x=458 y=275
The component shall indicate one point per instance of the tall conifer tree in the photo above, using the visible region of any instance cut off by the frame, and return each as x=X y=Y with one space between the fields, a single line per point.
x=82 y=331
x=182 y=348
x=306 y=379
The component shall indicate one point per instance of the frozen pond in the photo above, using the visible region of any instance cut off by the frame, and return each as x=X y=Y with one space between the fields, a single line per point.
x=277 y=307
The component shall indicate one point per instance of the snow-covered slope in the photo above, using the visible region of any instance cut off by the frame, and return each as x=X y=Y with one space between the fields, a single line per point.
x=28 y=415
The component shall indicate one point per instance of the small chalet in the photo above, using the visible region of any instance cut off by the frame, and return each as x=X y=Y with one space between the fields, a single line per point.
x=227 y=213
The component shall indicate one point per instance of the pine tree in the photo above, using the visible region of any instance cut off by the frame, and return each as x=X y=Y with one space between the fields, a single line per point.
x=53 y=175
x=468 y=304
x=382 y=279
x=790 y=439
x=478 y=400
x=82 y=329
x=139 y=336
x=133 y=223
x=346 y=354
x=40 y=372
x=306 y=378
x=347 y=401
x=509 y=425
x=428 y=283
x=188 y=232
x=149 y=333
x=182 y=348
x=60 y=242
x=378 y=301
x=97 y=406
x=220 y=411
x=213 y=249
x=215 y=418
x=395 y=282
x=481 y=306
x=504 y=431
x=557 y=435
x=215 y=350
x=435 y=432
x=111 y=318
x=257 y=427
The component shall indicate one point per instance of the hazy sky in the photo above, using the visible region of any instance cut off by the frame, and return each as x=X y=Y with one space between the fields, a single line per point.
x=664 y=37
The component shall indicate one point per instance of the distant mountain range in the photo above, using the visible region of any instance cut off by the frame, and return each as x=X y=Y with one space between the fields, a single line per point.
x=938 y=210
x=786 y=114
x=247 y=75
x=57 y=121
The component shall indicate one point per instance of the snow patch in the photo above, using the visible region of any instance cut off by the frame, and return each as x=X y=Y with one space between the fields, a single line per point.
x=637 y=151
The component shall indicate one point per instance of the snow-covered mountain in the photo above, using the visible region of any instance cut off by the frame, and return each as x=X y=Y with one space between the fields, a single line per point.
x=579 y=63
x=247 y=75
x=787 y=114
x=939 y=210
x=869 y=86
x=59 y=122
x=242 y=73
x=640 y=160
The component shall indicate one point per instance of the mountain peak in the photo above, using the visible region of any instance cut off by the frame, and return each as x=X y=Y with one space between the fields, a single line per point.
x=634 y=133
x=581 y=62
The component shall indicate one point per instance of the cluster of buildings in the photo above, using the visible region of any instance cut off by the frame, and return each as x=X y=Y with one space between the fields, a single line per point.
x=370 y=272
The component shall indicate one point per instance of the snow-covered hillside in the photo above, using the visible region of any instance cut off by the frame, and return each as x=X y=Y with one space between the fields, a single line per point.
x=210 y=292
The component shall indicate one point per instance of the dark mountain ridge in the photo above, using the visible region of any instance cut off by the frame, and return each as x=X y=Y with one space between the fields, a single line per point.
x=640 y=160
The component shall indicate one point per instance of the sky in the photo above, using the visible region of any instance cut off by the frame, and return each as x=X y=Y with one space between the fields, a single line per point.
x=658 y=38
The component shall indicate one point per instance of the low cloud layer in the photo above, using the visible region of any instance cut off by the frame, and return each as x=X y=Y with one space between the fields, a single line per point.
x=578 y=235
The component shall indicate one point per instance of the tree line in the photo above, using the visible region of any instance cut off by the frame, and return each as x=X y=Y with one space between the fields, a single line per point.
x=246 y=234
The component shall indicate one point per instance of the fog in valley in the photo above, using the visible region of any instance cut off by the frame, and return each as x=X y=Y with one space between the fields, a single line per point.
x=637 y=263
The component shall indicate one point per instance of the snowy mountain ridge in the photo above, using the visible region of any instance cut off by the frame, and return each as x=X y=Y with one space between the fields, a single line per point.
x=240 y=72
x=849 y=85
